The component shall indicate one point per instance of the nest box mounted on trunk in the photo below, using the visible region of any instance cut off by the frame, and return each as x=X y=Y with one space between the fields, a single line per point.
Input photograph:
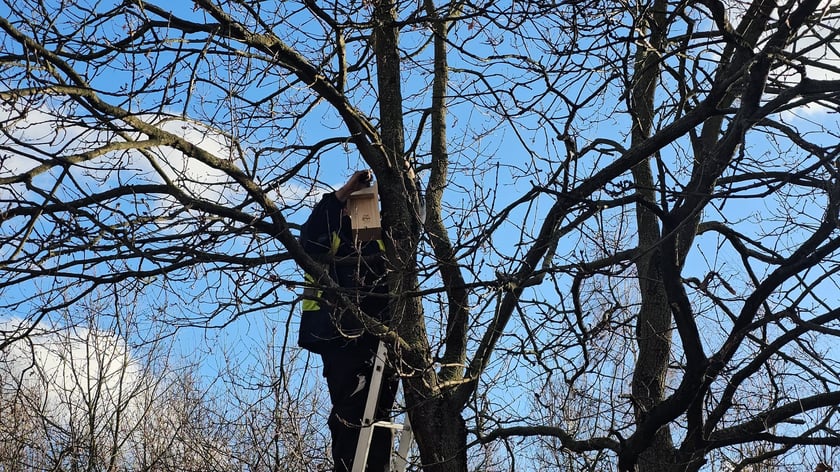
x=363 y=208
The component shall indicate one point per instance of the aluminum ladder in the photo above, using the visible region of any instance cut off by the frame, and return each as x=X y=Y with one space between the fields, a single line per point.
x=406 y=435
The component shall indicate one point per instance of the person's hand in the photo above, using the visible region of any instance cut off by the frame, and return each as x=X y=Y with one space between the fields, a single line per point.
x=359 y=180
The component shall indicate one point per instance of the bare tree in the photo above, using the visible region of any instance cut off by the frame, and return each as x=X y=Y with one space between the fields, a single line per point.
x=611 y=227
x=81 y=398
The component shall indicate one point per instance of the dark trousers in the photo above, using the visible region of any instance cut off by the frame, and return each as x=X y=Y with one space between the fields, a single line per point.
x=348 y=371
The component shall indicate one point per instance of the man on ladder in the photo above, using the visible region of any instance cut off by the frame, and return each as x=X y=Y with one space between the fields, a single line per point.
x=348 y=352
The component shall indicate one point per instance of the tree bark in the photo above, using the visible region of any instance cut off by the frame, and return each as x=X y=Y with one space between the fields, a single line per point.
x=653 y=325
x=439 y=429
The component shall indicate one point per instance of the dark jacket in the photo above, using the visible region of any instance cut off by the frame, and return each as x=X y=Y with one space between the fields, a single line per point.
x=327 y=237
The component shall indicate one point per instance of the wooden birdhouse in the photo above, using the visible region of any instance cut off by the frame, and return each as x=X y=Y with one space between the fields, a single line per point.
x=363 y=208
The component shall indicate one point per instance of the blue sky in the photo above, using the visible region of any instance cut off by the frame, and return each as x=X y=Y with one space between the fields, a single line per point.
x=478 y=142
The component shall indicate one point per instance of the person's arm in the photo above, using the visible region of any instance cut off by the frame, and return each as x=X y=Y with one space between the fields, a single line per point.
x=359 y=180
x=317 y=233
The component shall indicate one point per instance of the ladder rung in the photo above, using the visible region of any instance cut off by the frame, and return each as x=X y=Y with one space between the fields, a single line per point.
x=389 y=425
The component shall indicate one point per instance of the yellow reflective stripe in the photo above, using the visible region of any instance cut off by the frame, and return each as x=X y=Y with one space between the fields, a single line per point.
x=310 y=304
x=335 y=243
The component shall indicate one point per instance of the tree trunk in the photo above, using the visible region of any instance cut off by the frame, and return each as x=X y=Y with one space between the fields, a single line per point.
x=439 y=429
x=653 y=329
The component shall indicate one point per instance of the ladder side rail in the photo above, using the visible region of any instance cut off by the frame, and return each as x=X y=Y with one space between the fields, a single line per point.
x=406 y=437
x=366 y=433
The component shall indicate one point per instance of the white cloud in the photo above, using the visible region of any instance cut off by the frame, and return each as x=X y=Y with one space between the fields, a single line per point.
x=81 y=389
x=194 y=176
x=71 y=370
x=819 y=52
x=43 y=134
x=827 y=13
x=820 y=46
